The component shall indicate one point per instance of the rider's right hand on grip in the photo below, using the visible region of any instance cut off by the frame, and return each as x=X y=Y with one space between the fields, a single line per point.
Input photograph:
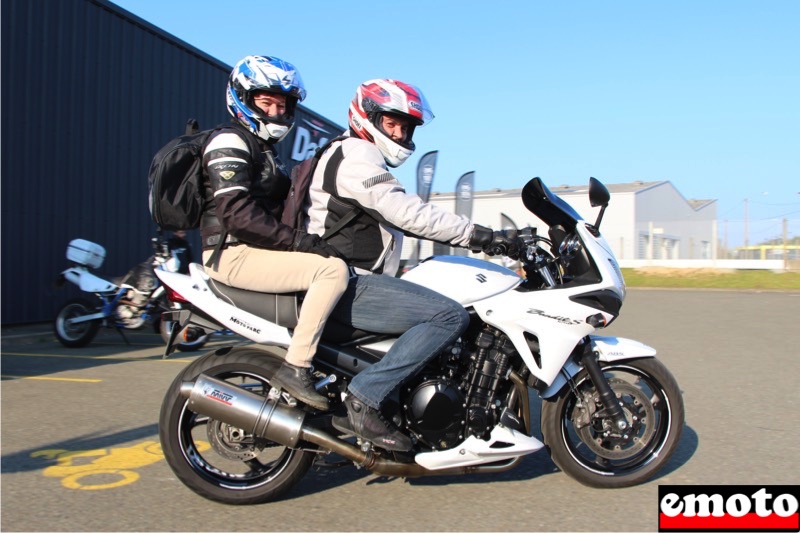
x=504 y=242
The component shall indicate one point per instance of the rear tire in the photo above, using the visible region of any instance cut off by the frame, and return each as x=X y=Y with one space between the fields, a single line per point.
x=75 y=335
x=583 y=443
x=233 y=468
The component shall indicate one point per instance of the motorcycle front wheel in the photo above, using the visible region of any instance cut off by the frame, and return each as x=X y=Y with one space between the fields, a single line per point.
x=80 y=334
x=221 y=462
x=583 y=441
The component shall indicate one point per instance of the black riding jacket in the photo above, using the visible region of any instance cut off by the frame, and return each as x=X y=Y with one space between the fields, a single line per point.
x=245 y=191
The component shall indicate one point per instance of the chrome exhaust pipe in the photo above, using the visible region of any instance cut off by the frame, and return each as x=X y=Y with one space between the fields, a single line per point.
x=243 y=409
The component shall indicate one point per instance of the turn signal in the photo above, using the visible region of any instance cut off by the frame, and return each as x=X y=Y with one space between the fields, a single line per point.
x=597 y=321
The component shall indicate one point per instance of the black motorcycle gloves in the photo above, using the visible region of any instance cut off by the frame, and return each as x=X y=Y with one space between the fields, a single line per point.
x=481 y=237
x=314 y=244
x=504 y=242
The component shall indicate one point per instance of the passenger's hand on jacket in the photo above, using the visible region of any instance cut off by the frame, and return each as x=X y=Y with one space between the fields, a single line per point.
x=314 y=244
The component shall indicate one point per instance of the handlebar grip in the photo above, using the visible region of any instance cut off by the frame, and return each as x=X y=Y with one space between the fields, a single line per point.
x=499 y=249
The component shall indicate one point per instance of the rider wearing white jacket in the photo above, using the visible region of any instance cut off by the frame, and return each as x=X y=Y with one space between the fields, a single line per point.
x=373 y=241
x=353 y=174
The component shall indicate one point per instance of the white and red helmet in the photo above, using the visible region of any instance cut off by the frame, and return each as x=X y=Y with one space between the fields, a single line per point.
x=373 y=99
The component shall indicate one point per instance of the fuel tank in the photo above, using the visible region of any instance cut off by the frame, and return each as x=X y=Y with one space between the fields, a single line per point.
x=464 y=279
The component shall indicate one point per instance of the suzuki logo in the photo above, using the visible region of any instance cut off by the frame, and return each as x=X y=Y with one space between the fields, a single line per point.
x=481 y=278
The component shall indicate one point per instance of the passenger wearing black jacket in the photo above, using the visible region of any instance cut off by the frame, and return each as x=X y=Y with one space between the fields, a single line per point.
x=246 y=186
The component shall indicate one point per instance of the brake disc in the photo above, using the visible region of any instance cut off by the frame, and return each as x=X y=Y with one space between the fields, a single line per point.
x=232 y=442
x=605 y=441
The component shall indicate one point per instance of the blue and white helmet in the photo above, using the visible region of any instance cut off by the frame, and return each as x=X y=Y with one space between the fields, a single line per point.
x=264 y=73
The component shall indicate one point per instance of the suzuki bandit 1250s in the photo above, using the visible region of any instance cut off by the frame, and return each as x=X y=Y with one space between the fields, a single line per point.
x=612 y=414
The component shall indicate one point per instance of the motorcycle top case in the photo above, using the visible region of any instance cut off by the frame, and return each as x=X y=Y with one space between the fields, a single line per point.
x=86 y=253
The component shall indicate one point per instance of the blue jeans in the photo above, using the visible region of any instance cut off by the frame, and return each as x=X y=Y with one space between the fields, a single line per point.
x=426 y=321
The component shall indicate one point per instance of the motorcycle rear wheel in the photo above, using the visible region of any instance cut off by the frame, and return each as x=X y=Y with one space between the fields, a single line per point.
x=75 y=335
x=223 y=463
x=583 y=443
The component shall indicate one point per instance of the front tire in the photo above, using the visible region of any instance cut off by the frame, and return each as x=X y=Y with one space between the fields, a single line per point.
x=220 y=462
x=75 y=335
x=582 y=441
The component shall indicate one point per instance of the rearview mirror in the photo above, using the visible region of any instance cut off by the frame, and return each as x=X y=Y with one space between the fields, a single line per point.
x=598 y=193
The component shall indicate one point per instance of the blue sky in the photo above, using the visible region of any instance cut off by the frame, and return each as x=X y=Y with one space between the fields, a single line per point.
x=702 y=93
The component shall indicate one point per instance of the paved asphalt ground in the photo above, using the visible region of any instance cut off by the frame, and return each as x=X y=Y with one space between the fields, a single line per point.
x=80 y=445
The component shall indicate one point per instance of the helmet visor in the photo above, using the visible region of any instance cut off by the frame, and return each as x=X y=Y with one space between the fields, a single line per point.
x=397 y=128
x=272 y=106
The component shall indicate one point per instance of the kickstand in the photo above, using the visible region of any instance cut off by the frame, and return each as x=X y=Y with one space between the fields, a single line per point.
x=124 y=337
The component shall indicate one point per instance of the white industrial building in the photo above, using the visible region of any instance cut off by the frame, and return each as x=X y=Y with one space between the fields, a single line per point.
x=644 y=220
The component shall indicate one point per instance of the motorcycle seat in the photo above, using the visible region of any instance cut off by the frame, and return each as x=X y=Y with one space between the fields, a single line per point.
x=282 y=309
x=279 y=308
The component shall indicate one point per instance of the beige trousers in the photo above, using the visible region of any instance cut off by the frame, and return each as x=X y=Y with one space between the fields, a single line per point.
x=257 y=269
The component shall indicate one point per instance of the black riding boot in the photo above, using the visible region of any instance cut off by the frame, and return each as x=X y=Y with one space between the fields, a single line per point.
x=297 y=381
x=370 y=425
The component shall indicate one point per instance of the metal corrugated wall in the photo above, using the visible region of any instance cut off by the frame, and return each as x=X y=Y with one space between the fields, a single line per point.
x=90 y=93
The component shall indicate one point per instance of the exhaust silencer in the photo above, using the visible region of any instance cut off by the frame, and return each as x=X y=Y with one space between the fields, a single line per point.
x=243 y=409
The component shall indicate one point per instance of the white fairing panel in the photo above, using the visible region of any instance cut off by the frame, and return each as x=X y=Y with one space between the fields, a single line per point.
x=194 y=288
x=504 y=443
x=88 y=282
x=464 y=279
x=617 y=348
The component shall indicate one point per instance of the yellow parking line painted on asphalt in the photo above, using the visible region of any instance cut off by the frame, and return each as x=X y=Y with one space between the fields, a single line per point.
x=99 y=357
x=42 y=378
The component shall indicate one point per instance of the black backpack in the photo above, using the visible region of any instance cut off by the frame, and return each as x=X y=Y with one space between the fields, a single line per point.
x=176 y=178
x=294 y=206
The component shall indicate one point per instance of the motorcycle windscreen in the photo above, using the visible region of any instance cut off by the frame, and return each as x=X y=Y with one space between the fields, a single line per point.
x=551 y=209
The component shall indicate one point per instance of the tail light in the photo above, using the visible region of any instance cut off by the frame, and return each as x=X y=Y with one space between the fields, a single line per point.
x=174 y=296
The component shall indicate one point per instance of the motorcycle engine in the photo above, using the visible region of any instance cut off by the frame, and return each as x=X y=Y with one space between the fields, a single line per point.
x=130 y=308
x=435 y=411
x=464 y=391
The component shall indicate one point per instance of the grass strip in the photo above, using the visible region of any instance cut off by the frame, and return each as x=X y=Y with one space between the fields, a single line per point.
x=680 y=278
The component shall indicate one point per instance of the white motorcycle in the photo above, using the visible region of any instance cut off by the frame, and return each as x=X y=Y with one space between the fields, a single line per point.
x=128 y=302
x=612 y=414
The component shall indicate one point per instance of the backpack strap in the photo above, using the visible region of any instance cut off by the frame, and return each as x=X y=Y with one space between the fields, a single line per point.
x=331 y=170
x=192 y=126
x=321 y=150
x=212 y=259
x=345 y=220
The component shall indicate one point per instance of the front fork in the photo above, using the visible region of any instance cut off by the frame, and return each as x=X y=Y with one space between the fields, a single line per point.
x=590 y=360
